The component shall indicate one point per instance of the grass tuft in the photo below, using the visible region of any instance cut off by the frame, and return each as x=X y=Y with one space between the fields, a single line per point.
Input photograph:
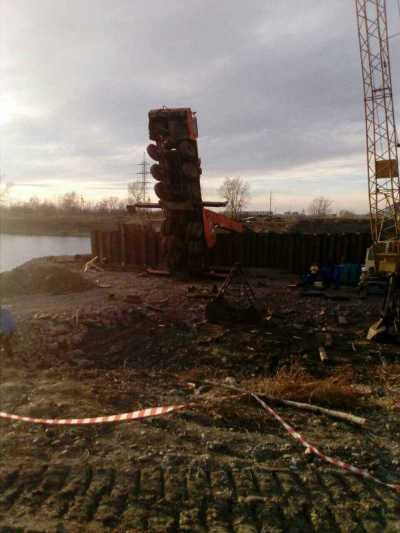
x=295 y=383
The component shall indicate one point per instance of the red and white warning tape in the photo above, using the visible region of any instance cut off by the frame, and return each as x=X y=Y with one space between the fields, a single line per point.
x=157 y=411
x=312 y=449
x=143 y=413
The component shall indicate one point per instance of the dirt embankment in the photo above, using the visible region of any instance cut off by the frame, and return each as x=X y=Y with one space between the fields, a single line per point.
x=40 y=277
x=303 y=224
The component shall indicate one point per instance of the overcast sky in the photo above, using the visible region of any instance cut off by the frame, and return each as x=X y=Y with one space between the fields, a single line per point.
x=276 y=85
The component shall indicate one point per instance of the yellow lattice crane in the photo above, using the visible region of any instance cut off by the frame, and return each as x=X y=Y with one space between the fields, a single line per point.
x=382 y=155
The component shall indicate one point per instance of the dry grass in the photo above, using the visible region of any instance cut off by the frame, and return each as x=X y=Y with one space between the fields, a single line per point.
x=295 y=383
x=389 y=375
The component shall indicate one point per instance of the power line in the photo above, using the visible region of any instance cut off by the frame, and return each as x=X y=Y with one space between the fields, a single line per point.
x=142 y=180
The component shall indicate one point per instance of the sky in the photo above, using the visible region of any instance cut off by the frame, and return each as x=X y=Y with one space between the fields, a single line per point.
x=276 y=86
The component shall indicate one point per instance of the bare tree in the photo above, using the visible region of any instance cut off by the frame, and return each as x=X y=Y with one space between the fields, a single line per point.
x=70 y=202
x=320 y=206
x=110 y=204
x=135 y=192
x=33 y=203
x=236 y=192
x=4 y=192
x=346 y=213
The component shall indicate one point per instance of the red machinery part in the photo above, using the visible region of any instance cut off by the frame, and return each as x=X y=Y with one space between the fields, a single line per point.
x=211 y=220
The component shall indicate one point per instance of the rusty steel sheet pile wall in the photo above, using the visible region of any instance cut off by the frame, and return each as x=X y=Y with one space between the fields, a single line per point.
x=142 y=246
x=131 y=245
x=293 y=252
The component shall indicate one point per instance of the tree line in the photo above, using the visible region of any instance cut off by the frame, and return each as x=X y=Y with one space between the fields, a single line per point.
x=70 y=203
x=235 y=191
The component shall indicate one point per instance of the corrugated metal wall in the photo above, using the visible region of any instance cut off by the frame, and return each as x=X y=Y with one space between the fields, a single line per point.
x=136 y=245
x=130 y=245
x=290 y=251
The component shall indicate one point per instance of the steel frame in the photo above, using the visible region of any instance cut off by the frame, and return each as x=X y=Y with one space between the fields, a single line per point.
x=384 y=192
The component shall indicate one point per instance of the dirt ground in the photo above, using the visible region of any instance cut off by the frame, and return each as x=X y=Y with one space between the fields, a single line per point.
x=138 y=340
x=307 y=224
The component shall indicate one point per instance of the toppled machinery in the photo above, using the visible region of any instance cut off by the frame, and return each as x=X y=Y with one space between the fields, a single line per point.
x=177 y=172
x=188 y=230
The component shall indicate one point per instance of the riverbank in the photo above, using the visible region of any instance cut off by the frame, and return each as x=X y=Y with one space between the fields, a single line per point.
x=16 y=250
x=60 y=225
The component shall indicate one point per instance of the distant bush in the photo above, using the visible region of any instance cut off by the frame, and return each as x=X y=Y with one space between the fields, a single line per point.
x=70 y=203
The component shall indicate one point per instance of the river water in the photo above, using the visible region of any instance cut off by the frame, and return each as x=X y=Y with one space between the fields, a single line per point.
x=17 y=249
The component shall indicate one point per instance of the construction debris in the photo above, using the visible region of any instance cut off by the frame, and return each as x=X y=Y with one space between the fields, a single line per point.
x=347 y=417
x=322 y=353
x=91 y=265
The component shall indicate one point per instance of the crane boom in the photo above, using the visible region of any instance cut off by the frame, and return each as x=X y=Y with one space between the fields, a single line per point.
x=383 y=161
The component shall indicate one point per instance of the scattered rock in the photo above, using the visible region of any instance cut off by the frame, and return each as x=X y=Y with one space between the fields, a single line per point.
x=262 y=453
x=134 y=298
x=60 y=329
x=76 y=354
x=92 y=323
x=217 y=446
x=77 y=339
x=203 y=389
x=53 y=347
x=85 y=363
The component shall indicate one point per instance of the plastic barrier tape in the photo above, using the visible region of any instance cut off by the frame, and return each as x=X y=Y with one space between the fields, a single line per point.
x=157 y=411
x=312 y=449
x=134 y=415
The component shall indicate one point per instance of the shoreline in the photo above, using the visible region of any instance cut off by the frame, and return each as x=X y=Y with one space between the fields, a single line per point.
x=74 y=225
x=39 y=233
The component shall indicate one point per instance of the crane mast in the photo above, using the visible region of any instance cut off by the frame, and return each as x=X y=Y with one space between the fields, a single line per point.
x=383 y=161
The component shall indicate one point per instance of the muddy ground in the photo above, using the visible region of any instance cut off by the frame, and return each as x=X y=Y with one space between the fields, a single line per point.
x=137 y=340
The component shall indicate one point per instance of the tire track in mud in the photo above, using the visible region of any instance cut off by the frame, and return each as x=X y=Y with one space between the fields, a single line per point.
x=192 y=495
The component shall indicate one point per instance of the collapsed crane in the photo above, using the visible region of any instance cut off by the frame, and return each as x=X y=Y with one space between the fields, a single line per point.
x=382 y=155
x=189 y=229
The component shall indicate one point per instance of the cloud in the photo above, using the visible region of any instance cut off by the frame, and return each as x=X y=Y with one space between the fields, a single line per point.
x=277 y=88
